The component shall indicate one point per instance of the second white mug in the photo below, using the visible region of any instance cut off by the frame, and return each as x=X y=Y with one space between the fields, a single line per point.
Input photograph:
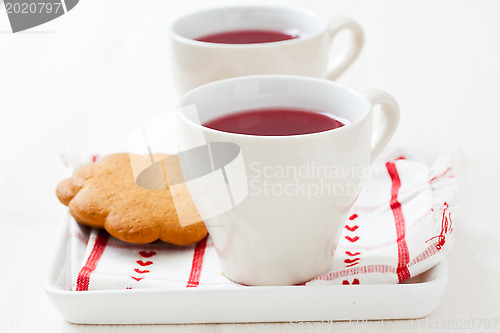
x=195 y=62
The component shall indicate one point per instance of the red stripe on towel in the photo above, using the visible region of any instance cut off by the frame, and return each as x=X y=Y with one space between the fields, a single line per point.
x=356 y=270
x=353 y=228
x=352 y=240
x=199 y=254
x=350 y=261
x=403 y=253
x=83 y=280
x=441 y=175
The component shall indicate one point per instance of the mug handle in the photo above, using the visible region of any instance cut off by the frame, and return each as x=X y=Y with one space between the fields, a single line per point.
x=348 y=56
x=389 y=116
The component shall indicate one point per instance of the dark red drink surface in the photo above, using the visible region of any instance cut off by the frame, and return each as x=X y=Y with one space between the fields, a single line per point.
x=275 y=122
x=246 y=37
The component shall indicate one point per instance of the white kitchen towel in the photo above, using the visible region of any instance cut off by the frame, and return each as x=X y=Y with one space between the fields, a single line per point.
x=399 y=227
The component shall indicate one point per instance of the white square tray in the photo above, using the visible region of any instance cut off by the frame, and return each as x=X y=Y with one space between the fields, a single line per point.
x=416 y=298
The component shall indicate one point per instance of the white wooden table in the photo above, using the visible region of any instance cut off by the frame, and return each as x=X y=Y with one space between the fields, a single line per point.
x=85 y=79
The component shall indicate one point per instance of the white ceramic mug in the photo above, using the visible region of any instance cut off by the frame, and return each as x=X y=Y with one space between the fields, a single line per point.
x=196 y=63
x=284 y=230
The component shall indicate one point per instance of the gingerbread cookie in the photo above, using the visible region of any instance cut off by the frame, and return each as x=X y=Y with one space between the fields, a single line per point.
x=104 y=195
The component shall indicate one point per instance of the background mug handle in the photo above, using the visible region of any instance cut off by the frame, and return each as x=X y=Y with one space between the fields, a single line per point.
x=347 y=57
x=384 y=128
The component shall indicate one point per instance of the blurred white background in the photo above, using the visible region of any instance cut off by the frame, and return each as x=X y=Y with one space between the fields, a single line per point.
x=84 y=80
